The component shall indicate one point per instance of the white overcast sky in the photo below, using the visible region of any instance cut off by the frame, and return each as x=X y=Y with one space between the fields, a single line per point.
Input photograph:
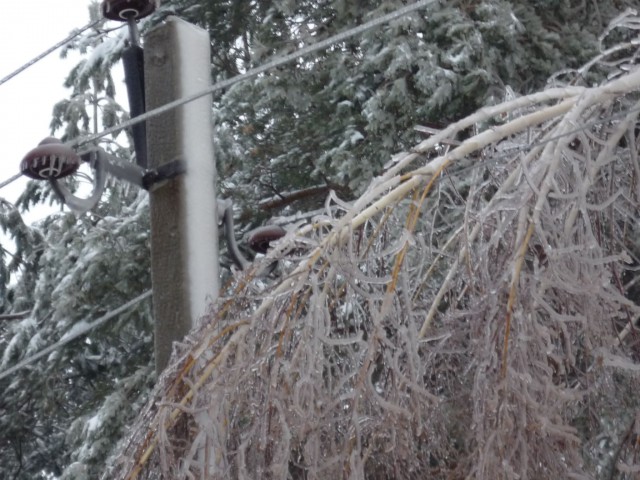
x=27 y=28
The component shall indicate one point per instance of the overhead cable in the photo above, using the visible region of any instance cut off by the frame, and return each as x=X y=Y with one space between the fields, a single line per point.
x=277 y=62
x=254 y=72
x=76 y=332
x=10 y=180
x=48 y=51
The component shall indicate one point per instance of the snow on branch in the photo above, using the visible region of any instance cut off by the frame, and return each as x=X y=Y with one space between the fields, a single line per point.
x=459 y=320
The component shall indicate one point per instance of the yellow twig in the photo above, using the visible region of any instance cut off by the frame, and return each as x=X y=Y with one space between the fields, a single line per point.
x=412 y=220
x=512 y=296
x=177 y=411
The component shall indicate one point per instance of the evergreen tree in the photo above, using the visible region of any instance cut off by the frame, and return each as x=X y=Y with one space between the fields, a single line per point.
x=62 y=414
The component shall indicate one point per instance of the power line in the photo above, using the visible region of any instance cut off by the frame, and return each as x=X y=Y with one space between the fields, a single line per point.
x=276 y=62
x=254 y=72
x=279 y=61
x=48 y=51
x=34 y=61
x=75 y=333
x=10 y=180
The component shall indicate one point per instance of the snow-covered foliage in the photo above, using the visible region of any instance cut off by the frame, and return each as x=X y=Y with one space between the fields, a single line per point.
x=468 y=316
x=61 y=415
x=294 y=127
x=84 y=267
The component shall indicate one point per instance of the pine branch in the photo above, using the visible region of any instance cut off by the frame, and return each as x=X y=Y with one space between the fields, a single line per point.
x=15 y=316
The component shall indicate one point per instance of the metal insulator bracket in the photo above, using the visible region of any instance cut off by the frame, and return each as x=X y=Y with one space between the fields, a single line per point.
x=156 y=178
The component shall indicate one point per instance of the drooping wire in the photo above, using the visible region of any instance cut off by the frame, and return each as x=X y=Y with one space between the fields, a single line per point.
x=49 y=50
x=276 y=62
x=74 y=333
x=10 y=180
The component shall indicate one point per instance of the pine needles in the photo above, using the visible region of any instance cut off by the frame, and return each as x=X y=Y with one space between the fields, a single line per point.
x=466 y=317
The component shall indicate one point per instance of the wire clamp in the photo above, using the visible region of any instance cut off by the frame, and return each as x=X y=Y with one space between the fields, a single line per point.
x=156 y=178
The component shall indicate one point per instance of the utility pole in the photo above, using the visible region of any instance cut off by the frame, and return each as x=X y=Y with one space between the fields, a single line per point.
x=184 y=236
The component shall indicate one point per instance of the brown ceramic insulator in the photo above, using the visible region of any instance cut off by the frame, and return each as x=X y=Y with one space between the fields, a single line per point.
x=50 y=160
x=260 y=238
x=123 y=10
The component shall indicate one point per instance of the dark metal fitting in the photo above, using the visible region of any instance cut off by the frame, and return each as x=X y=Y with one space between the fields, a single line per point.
x=153 y=179
x=123 y=10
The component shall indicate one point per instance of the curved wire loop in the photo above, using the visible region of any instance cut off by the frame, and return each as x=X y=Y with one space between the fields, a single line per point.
x=82 y=205
x=259 y=238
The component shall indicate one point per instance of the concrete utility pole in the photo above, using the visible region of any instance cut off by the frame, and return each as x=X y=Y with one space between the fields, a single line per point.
x=184 y=237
